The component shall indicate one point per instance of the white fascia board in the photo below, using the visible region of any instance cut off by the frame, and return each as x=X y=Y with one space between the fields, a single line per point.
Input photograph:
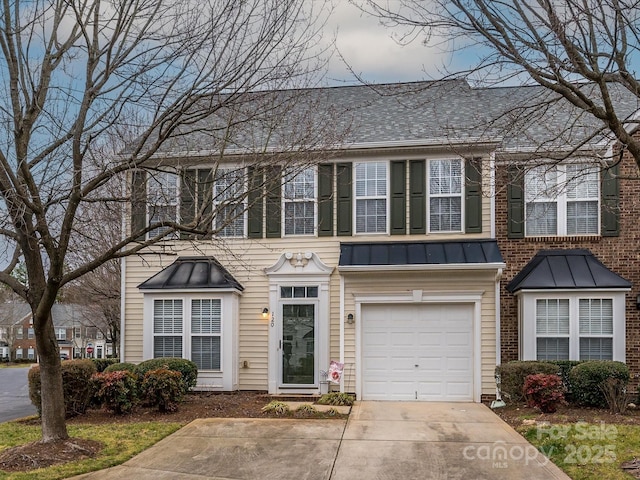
x=423 y=142
x=565 y=291
x=421 y=267
x=186 y=291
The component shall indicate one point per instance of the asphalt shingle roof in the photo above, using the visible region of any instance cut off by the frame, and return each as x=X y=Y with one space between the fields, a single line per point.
x=565 y=269
x=420 y=253
x=191 y=273
x=520 y=117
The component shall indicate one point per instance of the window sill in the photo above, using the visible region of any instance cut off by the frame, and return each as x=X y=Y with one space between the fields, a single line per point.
x=565 y=238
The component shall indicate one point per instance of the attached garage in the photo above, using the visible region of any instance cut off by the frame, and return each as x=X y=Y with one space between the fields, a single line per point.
x=418 y=352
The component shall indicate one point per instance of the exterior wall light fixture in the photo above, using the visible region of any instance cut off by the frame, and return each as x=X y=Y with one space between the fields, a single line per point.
x=350 y=319
x=265 y=313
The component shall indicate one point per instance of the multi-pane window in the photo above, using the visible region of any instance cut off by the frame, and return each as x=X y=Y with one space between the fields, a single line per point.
x=574 y=328
x=61 y=333
x=19 y=333
x=31 y=353
x=552 y=329
x=167 y=328
x=562 y=200
x=596 y=329
x=18 y=353
x=445 y=195
x=371 y=197
x=206 y=323
x=228 y=199
x=162 y=200
x=31 y=333
x=299 y=292
x=299 y=203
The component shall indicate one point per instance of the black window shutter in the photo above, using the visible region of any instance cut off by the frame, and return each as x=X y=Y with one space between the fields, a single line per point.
x=417 y=197
x=610 y=208
x=274 y=202
x=344 y=212
x=473 y=195
x=187 y=200
x=398 y=197
x=255 y=199
x=515 y=203
x=205 y=199
x=138 y=201
x=325 y=200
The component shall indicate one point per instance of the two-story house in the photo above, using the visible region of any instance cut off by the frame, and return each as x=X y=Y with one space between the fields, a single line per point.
x=385 y=254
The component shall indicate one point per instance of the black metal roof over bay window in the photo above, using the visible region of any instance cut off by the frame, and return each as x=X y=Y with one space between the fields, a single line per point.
x=188 y=273
x=565 y=269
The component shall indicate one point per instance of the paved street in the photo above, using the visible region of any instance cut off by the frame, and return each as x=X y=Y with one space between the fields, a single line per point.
x=14 y=394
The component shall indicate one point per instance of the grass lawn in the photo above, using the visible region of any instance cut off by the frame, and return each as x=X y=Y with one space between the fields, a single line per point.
x=121 y=442
x=587 y=451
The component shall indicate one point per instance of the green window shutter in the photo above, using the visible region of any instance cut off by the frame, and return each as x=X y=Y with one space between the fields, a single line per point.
x=417 y=197
x=515 y=203
x=205 y=199
x=325 y=200
x=473 y=196
x=138 y=201
x=187 y=200
x=274 y=199
x=610 y=208
x=255 y=207
x=398 y=198
x=344 y=212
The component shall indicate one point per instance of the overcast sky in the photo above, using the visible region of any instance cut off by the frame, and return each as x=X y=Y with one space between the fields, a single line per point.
x=369 y=49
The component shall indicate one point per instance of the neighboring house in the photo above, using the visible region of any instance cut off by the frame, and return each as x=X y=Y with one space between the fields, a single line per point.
x=385 y=256
x=75 y=338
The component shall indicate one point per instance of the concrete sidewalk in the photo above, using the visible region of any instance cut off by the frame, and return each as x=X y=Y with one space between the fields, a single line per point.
x=384 y=440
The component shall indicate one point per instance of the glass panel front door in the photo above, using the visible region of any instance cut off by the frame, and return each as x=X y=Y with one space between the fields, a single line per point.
x=298 y=344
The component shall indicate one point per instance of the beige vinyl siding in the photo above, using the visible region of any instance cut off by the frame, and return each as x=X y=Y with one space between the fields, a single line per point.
x=450 y=281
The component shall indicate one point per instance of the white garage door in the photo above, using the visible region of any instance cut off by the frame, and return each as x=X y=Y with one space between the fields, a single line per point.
x=417 y=352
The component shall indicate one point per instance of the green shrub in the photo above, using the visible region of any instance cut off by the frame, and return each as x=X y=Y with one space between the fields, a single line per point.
x=306 y=410
x=565 y=369
x=186 y=368
x=336 y=398
x=76 y=386
x=277 y=407
x=162 y=388
x=116 y=391
x=512 y=376
x=588 y=378
x=102 y=363
x=543 y=391
x=121 y=367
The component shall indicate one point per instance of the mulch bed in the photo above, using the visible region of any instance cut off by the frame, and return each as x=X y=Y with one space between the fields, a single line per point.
x=39 y=455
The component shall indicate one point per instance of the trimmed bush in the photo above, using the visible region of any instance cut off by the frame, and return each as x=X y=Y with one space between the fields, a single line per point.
x=187 y=368
x=544 y=392
x=102 y=363
x=588 y=379
x=121 y=367
x=116 y=391
x=162 y=388
x=76 y=386
x=565 y=369
x=336 y=398
x=513 y=374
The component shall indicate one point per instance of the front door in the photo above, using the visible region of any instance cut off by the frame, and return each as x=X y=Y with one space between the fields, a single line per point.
x=298 y=344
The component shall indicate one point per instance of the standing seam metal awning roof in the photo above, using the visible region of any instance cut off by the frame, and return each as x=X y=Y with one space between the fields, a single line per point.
x=420 y=253
x=565 y=269
x=191 y=273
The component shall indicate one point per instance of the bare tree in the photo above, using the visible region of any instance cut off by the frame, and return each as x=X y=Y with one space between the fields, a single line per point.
x=79 y=77
x=582 y=51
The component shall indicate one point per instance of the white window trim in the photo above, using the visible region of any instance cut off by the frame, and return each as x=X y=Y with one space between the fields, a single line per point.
x=561 y=201
x=386 y=198
x=313 y=199
x=527 y=320
x=175 y=202
x=462 y=190
x=225 y=379
x=243 y=202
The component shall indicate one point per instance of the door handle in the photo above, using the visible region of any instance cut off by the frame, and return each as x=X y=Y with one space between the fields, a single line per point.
x=416 y=365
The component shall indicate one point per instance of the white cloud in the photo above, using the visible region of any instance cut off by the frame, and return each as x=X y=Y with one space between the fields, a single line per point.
x=369 y=49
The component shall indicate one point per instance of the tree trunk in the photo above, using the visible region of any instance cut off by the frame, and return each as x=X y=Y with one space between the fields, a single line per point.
x=53 y=411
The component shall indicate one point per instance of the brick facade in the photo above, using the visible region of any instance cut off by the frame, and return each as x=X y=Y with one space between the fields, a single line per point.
x=620 y=254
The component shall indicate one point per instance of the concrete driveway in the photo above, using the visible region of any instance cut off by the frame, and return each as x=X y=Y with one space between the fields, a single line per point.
x=381 y=440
